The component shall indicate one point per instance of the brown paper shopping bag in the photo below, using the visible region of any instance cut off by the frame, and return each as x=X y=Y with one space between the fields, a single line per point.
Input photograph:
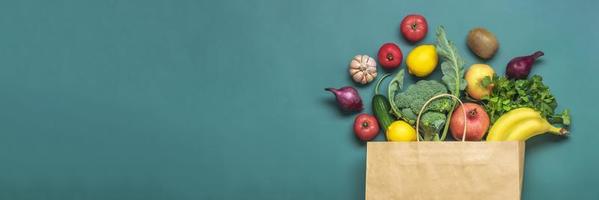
x=444 y=170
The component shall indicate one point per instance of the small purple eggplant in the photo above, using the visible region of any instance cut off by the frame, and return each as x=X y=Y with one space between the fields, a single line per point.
x=348 y=98
x=519 y=67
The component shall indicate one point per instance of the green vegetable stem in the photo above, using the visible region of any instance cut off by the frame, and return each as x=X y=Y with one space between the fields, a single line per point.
x=395 y=86
x=453 y=71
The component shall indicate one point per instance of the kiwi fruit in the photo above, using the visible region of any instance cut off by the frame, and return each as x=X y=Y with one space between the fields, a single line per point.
x=482 y=43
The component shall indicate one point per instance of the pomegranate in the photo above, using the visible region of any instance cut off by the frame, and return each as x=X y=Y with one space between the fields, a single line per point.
x=390 y=56
x=477 y=122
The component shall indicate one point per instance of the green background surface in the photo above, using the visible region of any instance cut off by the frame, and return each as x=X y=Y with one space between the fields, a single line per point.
x=224 y=99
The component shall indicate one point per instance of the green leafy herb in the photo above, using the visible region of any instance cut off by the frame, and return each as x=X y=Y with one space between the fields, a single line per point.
x=453 y=64
x=511 y=94
x=452 y=68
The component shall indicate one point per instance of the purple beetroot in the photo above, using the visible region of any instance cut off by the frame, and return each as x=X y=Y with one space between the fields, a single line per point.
x=348 y=98
x=519 y=67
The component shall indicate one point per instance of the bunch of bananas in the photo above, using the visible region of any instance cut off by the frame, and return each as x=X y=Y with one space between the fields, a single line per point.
x=521 y=124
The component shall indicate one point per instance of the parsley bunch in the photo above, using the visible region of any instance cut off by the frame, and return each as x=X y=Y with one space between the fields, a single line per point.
x=511 y=94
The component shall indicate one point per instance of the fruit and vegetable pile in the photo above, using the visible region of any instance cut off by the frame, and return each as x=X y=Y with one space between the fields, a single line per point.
x=513 y=107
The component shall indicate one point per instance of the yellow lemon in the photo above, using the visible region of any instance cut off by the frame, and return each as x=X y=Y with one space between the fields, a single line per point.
x=401 y=131
x=422 y=60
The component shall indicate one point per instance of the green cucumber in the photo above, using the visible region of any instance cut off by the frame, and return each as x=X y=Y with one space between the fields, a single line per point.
x=381 y=107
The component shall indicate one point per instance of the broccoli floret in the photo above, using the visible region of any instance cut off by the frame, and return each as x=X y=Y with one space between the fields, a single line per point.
x=431 y=124
x=417 y=94
x=408 y=115
x=413 y=98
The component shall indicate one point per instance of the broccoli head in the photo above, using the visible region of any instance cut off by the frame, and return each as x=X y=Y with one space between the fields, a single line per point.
x=413 y=98
x=431 y=123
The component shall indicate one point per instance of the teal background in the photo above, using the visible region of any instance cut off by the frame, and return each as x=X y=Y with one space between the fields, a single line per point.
x=224 y=99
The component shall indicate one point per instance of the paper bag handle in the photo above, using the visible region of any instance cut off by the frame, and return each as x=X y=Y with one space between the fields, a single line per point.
x=428 y=102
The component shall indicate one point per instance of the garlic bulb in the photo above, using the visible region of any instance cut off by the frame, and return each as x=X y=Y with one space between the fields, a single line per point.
x=362 y=69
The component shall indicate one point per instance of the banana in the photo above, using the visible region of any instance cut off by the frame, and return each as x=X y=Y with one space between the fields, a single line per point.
x=533 y=127
x=501 y=128
x=521 y=124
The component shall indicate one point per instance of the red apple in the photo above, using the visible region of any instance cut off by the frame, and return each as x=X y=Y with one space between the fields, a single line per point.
x=366 y=127
x=477 y=122
x=414 y=27
x=390 y=56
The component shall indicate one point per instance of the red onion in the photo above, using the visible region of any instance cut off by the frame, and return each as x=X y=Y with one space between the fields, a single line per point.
x=348 y=98
x=519 y=67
